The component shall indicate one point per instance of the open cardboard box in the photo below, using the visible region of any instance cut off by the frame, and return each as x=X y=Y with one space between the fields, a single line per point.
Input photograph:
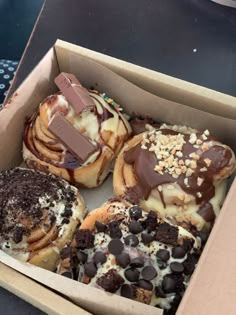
x=213 y=284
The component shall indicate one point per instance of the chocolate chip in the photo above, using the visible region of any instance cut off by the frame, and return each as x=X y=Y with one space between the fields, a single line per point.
x=123 y=260
x=173 y=283
x=135 y=227
x=67 y=274
x=149 y=273
x=144 y=284
x=99 y=258
x=178 y=252
x=147 y=238
x=176 y=267
x=137 y=262
x=90 y=269
x=163 y=255
x=189 y=264
x=151 y=221
x=159 y=292
x=188 y=244
x=82 y=257
x=115 y=247
x=128 y=291
x=168 y=285
x=67 y=213
x=66 y=252
x=161 y=264
x=100 y=226
x=114 y=229
x=131 y=240
x=84 y=239
x=65 y=221
x=132 y=274
x=110 y=281
x=135 y=212
x=167 y=233
x=18 y=234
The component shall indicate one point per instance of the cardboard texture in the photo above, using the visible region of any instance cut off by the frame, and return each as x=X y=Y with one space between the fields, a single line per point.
x=148 y=93
x=36 y=294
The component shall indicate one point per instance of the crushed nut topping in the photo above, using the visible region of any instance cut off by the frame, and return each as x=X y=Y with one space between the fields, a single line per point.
x=168 y=149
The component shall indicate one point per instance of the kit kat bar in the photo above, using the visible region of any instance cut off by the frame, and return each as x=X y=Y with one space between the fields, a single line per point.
x=74 y=92
x=76 y=143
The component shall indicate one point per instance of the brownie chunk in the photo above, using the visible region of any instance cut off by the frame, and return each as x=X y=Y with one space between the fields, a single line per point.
x=167 y=233
x=84 y=239
x=111 y=281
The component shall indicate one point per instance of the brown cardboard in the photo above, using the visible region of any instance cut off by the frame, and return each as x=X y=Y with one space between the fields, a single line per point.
x=36 y=294
x=196 y=106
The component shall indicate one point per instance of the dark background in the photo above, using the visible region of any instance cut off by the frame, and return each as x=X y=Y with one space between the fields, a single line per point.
x=17 y=18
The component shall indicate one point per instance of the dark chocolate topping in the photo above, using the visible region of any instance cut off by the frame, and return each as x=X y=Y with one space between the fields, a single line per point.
x=100 y=226
x=135 y=227
x=149 y=273
x=206 y=212
x=173 y=283
x=128 y=291
x=123 y=260
x=135 y=212
x=99 y=258
x=111 y=281
x=20 y=192
x=131 y=240
x=82 y=257
x=132 y=274
x=178 y=252
x=176 y=267
x=163 y=255
x=167 y=233
x=138 y=124
x=147 y=238
x=90 y=269
x=144 y=284
x=114 y=229
x=84 y=238
x=147 y=178
x=115 y=247
x=137 y=262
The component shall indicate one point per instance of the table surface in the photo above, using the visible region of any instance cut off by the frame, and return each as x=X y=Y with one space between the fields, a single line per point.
x=194 y=40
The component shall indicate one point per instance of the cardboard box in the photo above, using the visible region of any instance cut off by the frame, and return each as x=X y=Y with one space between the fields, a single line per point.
x=212 y=287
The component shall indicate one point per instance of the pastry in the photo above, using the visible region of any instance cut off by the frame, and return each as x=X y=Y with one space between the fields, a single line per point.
x=75 y=134
x=124 y=250
x=177 y=171
x=39 y=214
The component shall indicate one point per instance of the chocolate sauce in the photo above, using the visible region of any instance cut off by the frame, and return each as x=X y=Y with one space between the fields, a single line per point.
x=138 y=124
x=144 y=162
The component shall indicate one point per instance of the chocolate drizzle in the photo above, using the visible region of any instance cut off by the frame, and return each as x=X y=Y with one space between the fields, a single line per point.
x=145 y=161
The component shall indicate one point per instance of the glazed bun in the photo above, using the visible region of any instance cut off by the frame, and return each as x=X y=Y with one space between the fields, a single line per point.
x=39 y=214
x=177 y=171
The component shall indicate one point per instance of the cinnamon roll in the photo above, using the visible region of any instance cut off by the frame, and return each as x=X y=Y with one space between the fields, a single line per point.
x=39 y=214
x=177 y=171
x=127 y=251
x=102 y=124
